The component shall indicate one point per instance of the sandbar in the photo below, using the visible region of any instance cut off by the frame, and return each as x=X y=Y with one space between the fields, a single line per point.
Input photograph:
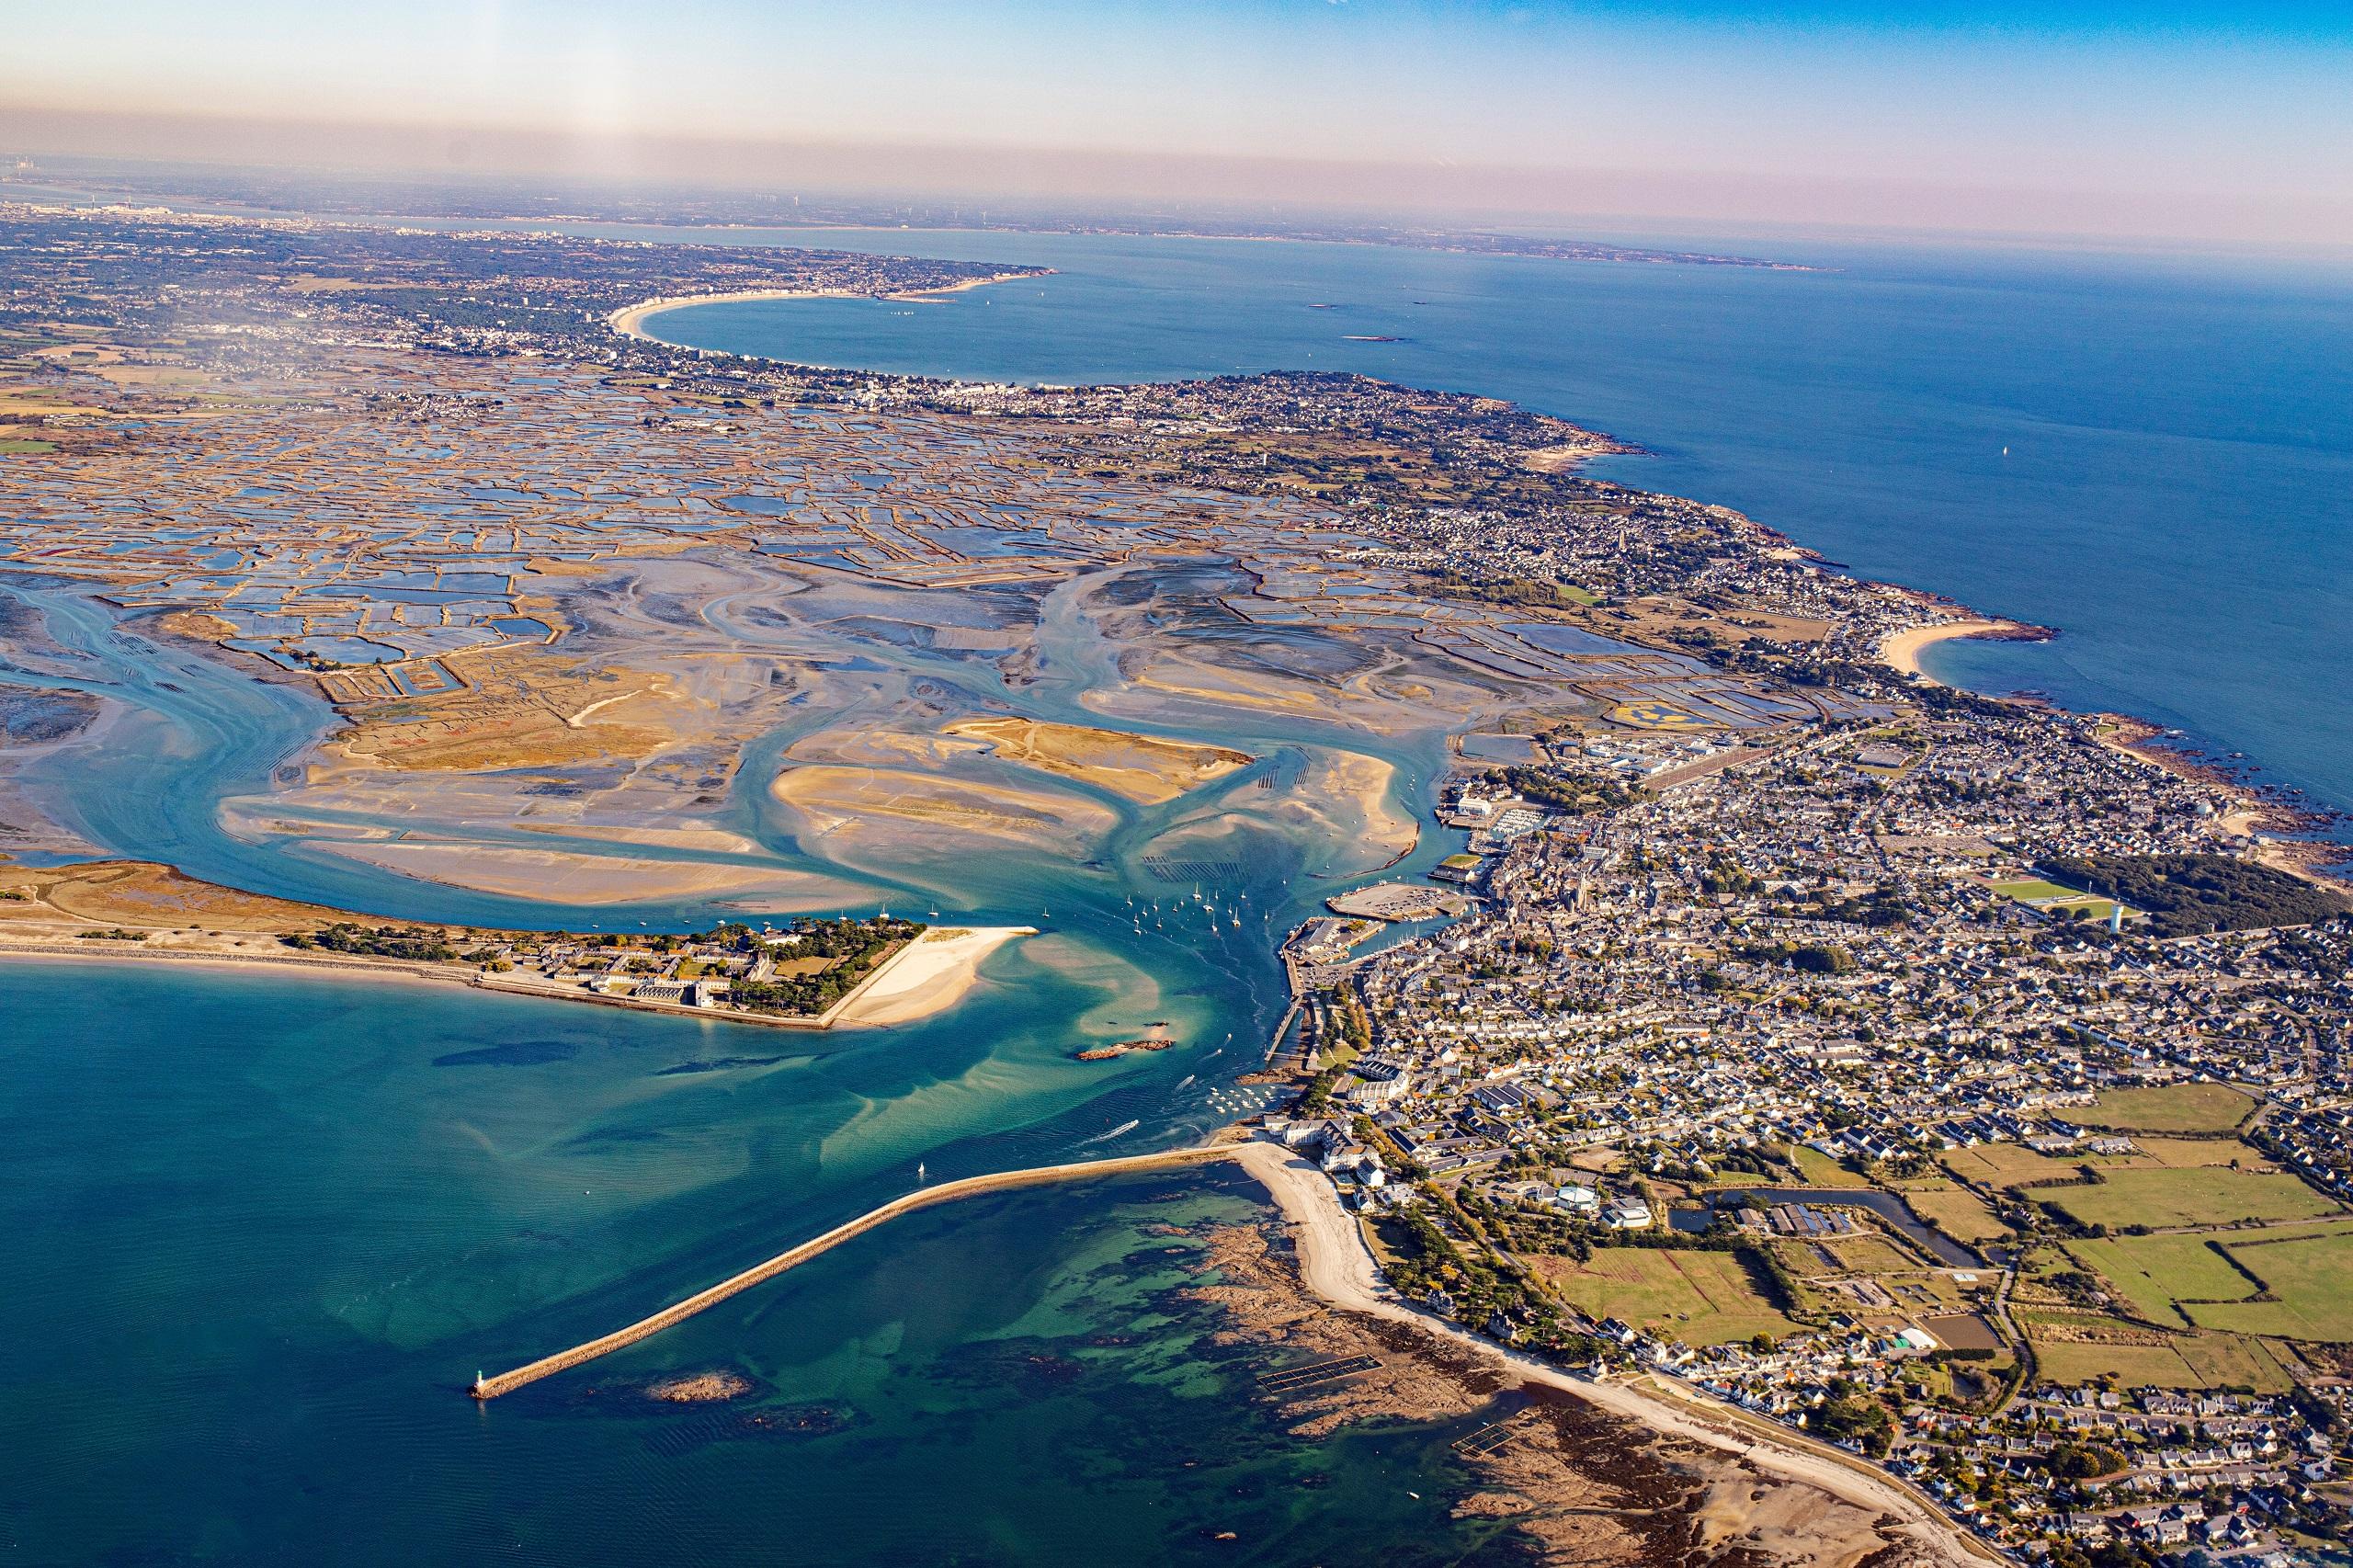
x=558 y=876
x=834 y=798
x=929 y=974
x=1146 y=769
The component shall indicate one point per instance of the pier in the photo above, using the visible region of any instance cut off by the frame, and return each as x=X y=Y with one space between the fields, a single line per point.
x=490 y=1387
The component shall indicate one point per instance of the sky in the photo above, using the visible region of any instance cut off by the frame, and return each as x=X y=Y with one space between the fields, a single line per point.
x=2226 y=120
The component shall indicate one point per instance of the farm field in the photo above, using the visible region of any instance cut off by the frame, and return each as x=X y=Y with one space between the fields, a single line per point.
x=2083 y=1347
x=2006 y=1165
x=1864 y=1253
x=2169 y=1107
x=1956 y=1213
x=1702 y=1297
x=2191 y=1153
x=2154 y=1272
x=2312 y=1277
x=2157 y=1196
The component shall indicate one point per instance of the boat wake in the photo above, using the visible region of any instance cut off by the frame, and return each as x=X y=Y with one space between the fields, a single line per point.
x=1120 y=1131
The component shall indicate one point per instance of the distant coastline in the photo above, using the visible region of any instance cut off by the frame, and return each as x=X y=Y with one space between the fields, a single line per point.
x=630 y=320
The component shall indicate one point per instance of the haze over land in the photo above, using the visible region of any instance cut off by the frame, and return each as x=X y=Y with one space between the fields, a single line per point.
x=2212 y=123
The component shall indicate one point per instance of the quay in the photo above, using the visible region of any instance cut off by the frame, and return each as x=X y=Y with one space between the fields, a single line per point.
x=490 y=1387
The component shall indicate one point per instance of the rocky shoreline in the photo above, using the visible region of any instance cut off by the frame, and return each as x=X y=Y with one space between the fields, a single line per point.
x=1579 y=1486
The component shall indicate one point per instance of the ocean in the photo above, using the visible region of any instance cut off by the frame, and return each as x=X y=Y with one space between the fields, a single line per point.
x=2153 y=454
x=263 y=1231
x=268 y=1226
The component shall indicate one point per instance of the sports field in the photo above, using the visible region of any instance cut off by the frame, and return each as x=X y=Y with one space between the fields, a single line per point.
x=2169 y=1107
x=2161 y=1196
x=2033 y=889
x=1701 y=1297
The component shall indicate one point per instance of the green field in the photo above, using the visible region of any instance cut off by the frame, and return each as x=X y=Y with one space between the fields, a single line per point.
x=1701 y=1297
x=2034 y=888
x=2313 y=1277
x=2159 y=1196
x=2154 y=1272
x=2007 y=1165
x=21 y=445
x=2195 y=1152
x=1820 y=1170
x=1867 y=1252
x=2169 y=1107
x=2176 y=1361
x=1957 y=1213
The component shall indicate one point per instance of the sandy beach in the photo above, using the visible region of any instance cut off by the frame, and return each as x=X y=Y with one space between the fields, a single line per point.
x=929 y=975
x=1901 y=650
x=1336 y=1266
x=630 y=321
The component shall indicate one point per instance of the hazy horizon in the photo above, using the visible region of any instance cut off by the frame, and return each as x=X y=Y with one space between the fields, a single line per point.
x=2151 y=121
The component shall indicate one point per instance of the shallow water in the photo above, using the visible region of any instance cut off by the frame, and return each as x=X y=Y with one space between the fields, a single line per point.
x=264 y=1229
x=2153 y=454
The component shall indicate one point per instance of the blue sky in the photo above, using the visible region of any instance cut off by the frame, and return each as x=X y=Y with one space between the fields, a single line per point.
x=2201 y=119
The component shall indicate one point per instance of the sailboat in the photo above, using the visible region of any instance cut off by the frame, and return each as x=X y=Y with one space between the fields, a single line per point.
x=920 y=1178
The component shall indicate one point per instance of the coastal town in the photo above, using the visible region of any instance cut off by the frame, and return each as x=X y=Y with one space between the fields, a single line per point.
x=1801 y=1082
x=1959 y=1084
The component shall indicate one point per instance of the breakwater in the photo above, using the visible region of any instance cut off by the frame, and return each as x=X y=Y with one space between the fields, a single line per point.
x=489 y=1388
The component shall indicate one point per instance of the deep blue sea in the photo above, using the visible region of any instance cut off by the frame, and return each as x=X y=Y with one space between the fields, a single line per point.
x=2154 y=454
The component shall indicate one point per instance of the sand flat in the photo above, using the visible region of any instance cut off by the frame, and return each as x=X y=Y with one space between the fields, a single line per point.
x=1146 y=769
x=929 y=974
x=836 y=798
x=564 y=877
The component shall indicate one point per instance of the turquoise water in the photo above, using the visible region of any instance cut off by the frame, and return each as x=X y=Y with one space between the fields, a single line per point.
x=264 y=1230
x=2154 y=455
x=271 y=1225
